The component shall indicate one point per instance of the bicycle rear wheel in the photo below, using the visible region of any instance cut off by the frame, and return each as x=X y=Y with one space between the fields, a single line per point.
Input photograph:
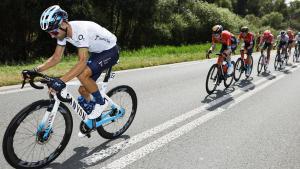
x=26 y=147
x=125 y=97
x=228 y=79
x=212 y=79
x=260 y=64
x=238 y=69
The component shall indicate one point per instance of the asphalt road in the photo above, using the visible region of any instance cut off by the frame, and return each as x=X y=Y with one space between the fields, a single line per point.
x=252 y=124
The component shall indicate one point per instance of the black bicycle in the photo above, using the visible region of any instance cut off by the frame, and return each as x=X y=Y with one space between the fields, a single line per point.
x=240 y=68
x=218 y=73
x=39 y=133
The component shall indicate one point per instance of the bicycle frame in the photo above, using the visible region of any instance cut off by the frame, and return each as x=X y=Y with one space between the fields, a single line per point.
x=51 y=112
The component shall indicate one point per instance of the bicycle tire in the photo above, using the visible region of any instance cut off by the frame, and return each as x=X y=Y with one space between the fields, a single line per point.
x=238 y=69
x=260 y=64
x=8 y=146
x=102 y=131
x=214 y=68
x=229 y=79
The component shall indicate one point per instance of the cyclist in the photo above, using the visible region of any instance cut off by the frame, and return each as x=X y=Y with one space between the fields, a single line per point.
x=228 y=41
x=248 y=45
x=282 y=42
x=291 y=36
x=297 y=40
x=266 y=42
x=96 y=49
x=258 y=37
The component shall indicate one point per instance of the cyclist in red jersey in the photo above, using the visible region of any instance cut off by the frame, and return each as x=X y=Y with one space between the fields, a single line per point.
x=248 y=45
x=228 y=42
x=290 y=33
x=266 y=42
x=258 y=37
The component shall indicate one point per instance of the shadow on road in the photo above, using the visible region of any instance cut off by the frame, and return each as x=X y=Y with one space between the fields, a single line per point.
x=74 y=162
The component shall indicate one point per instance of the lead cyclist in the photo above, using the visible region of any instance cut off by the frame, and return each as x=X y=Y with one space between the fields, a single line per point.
x=96 y=50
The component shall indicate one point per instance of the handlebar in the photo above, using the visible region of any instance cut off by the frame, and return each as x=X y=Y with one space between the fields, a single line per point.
x=31 y=75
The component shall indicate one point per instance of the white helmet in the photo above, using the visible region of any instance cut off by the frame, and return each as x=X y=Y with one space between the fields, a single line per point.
x=52 y=18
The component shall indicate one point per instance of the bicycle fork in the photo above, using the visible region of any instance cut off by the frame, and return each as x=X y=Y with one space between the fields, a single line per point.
x=48 y=119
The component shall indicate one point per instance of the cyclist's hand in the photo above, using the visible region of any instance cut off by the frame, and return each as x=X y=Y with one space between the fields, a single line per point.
x=57 y=84
x=28 y=73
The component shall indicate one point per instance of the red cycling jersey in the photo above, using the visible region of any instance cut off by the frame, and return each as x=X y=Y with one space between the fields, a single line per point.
x=291 y=36
x=225 y=38
x=267 y=39
x=248 y=38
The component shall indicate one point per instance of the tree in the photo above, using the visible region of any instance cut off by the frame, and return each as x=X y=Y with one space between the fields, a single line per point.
x=273 y=19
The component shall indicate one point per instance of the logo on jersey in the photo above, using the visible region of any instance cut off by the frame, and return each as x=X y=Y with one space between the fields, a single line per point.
x=80 y=37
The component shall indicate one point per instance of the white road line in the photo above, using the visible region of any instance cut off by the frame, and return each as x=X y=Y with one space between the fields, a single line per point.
x=97 y=156
x=155 y=145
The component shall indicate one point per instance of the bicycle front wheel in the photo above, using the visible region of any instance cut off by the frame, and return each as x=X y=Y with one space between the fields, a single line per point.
x=238 y=69
x=212 y=79
x=125 y=97
x=260 y=64
x=25 y=145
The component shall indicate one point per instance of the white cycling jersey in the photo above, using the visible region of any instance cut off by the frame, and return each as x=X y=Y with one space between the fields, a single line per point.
x=87 y=34
x=283 y=39
x=297 y=38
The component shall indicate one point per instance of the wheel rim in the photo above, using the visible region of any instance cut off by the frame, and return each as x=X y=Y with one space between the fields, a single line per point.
x=124 y=99
x=238 y=69
x=260 y=64
x=212 y=79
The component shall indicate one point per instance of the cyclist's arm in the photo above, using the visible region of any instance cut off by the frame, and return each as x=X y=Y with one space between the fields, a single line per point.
x=213 y=45
x=83 y=55
x=53 y=60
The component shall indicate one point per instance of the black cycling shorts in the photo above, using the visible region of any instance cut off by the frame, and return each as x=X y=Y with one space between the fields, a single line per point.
x=98 y=62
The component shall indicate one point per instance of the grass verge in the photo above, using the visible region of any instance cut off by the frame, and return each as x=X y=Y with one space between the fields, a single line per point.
x=144 y=57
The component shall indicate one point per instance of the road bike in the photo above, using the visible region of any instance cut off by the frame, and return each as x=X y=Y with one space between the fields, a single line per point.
x=39 y=133
x=280 y=59
x=217 y=73
x=262 y=62
x=240 y=68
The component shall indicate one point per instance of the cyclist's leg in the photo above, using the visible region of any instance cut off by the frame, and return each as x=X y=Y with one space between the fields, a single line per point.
x=269 y=52
x=84 y=92
x=290 y=44
x=97 y=63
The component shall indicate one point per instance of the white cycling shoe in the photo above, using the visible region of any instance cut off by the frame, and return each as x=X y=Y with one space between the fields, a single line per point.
x=98 y=109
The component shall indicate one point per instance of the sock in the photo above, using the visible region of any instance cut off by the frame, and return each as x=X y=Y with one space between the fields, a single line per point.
x=98 y=98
